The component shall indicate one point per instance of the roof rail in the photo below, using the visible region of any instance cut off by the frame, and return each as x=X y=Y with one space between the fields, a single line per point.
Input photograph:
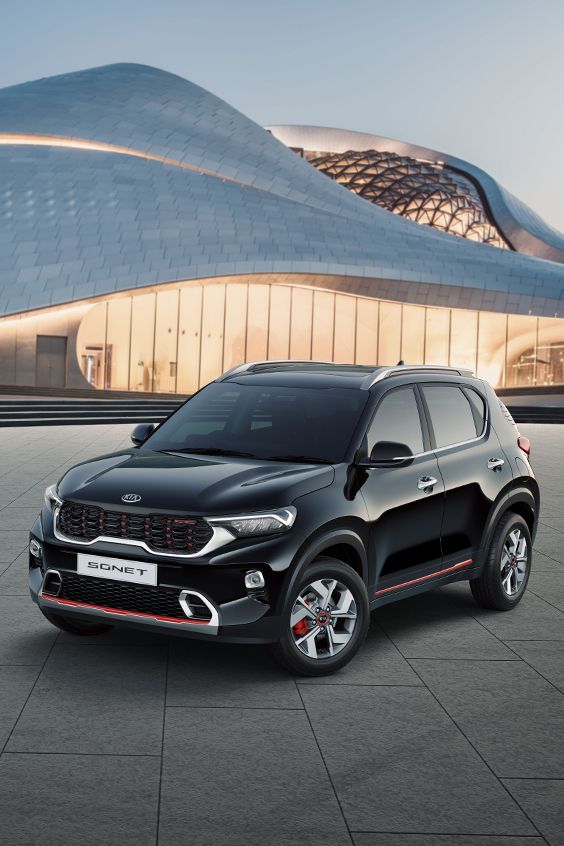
x=374 y=374
x=250 y=366
x=384 y=372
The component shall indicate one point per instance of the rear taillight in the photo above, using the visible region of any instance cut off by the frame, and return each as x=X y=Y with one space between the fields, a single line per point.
x=524 y=445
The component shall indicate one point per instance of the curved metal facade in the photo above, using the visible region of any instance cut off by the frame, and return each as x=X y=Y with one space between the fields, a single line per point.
x=516 y=222
x=122 y=183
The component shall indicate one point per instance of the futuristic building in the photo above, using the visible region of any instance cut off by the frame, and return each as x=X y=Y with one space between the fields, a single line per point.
x=152 y=236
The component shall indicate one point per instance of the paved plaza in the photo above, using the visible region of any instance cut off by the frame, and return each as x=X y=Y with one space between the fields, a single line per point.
x=446 y=730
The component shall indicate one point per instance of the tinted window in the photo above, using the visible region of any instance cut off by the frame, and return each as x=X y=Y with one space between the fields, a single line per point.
x=267 y=422
x=451 y=414
x=478 y=409
x=397 y=419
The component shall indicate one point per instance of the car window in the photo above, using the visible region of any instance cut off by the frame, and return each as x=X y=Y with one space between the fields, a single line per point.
x=478 y=408
x=397 y=419
x=265 y=421
x=451 y=414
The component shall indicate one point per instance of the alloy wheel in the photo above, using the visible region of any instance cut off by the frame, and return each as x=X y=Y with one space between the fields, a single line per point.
x=323 y=618
x=514 y=561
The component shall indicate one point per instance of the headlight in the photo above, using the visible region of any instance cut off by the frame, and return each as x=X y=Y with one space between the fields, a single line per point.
x=51 y=497
x=250 y=525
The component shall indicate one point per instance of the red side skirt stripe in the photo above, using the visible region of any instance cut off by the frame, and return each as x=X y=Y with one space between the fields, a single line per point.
x=435 y=575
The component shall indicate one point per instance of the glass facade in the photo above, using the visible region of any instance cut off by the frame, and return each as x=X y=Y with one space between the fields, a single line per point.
x=179 y=338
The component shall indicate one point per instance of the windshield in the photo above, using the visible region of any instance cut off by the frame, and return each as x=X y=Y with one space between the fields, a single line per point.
x=260 y=421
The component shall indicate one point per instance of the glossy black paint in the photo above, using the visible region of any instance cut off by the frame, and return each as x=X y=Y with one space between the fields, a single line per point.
x=401 y=538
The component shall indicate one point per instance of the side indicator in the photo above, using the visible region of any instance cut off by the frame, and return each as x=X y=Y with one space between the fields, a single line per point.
x=435 y=575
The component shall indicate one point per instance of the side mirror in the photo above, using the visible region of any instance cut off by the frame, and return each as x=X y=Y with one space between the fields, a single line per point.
x=142 y=432
x=390 y=453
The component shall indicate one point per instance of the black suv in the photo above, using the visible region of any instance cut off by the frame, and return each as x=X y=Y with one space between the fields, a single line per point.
x=284 y=502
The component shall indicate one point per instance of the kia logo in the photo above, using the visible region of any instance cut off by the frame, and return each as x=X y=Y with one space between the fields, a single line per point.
x=130 y=498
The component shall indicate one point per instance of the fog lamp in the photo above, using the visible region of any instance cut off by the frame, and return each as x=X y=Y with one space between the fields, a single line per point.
x=254 y=580
x=35 y=548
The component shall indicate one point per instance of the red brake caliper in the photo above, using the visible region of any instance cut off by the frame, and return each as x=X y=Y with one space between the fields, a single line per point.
x=301 y=627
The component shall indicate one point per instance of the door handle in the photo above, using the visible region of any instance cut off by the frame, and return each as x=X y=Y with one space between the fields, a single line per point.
x=426 y=483
x=495 y=463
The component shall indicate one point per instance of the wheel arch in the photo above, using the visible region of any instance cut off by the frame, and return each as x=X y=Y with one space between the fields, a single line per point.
x=522 y=499
x=343 y=544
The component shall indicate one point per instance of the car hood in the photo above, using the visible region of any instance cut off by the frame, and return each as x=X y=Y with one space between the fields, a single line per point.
x=190 y=484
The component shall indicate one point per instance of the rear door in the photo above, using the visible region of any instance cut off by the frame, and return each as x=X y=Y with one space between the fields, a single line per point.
x=405 y=517
x=471 y=463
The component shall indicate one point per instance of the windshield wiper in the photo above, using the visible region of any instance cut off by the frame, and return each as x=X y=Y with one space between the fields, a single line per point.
x=306 y=459
x=213 y=451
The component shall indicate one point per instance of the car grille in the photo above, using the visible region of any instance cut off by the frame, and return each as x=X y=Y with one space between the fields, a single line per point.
x=161 y=533
x=128 y=597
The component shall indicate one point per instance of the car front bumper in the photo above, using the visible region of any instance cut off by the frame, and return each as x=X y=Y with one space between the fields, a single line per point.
x=232 y=614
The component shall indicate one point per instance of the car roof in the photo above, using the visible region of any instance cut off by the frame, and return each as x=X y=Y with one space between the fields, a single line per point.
x=329 y=374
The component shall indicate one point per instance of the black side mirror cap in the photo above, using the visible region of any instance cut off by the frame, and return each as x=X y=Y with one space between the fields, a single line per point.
x=142 y=432
x=389 y=454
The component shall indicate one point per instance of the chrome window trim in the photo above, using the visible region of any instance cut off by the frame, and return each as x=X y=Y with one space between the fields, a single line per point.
x=219 y=538
x=486 y=416
x=427 y=452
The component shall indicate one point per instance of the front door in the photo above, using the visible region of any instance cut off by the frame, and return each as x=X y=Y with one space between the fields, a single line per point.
x=51 y=361
x=405 y=512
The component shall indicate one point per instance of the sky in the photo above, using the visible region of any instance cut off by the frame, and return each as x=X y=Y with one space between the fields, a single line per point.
x=480 y=80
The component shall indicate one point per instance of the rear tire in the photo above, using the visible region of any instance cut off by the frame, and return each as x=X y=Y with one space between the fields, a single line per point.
x=75 y=627
x=326 y=619
x=505 y=572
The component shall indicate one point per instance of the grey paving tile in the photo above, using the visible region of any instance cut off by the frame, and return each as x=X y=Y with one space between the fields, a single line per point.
x=377 y=662
x=12 y=544
x=551 y=543
x=543 y=801
x=544 y=564
x=545 y=656
x=443 y=840
x=556 y=523
x=433 y=626
x=25 y=635
x=19 y=519
x=89 y=700
x=509 y=713
x=71 y=799
x=15 y=686
x=118 y=636
x=249 y=677
x=532 y=619
x=14 y=579
x=549 y=586
x=399 y=764
x=233 y=777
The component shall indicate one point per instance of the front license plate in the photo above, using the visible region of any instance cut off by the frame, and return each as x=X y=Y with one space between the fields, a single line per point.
x=117 y=569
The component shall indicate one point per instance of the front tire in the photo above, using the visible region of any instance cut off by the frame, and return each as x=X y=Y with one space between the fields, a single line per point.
x=326 y=619
x=505 y=572
x=75 y=627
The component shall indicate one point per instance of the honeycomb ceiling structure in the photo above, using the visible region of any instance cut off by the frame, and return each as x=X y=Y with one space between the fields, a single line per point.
x=426 y=193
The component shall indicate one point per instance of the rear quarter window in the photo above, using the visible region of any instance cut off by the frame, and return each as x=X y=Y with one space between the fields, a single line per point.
x=453 y=416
